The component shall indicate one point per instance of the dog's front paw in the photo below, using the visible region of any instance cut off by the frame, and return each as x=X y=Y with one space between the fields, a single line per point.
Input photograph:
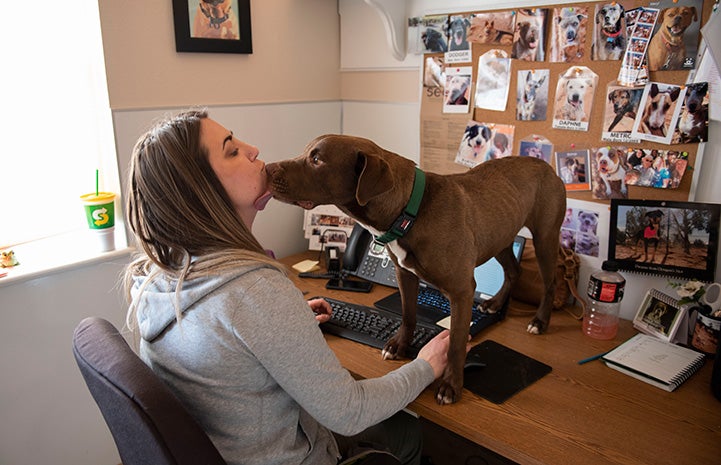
x=393 y=349
x=447 y=394
x=536 y=326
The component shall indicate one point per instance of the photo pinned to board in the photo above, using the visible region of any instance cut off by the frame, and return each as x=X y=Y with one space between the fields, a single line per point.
x=457 y=89
x=433 y=33
x=459 y=48
x=675 y=40
x=579 y=231
x=529 y=34
x=568 y=34
x=492 y=28
x=660 y=108
x=572 y=167
x=620 y=112
x=639 y=25
x=692 y=124
x=532 y=95
x=493 y=80
x=484 y=141
x=608 y=168
x=434 y=74
x=574 y=98
x=536 y=147
x=662 y=169
x=609 y=37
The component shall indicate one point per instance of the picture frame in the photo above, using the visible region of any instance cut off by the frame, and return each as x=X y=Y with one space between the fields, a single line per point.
x=212 y=27
x=661 y=316
x=693 y=229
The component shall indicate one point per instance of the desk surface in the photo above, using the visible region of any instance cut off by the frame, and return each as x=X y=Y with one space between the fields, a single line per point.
x=577 y=414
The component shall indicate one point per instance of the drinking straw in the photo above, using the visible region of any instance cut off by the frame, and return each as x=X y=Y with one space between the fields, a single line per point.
x=96 y=183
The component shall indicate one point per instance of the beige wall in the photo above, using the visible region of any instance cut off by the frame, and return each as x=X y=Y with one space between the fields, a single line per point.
x=295 y=57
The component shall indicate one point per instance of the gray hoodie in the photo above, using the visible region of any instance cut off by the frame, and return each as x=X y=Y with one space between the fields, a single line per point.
x=250 y=363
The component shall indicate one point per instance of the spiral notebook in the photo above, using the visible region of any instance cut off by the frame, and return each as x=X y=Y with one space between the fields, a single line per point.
x=660 y=363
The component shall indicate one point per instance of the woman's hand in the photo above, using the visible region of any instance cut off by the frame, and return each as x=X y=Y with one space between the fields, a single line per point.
x=321 y=308
x=435 y=352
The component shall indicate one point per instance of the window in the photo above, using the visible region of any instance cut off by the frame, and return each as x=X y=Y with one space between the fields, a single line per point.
x=56 y=128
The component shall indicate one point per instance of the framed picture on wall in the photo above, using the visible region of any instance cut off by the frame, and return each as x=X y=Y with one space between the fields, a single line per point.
x=212 y=26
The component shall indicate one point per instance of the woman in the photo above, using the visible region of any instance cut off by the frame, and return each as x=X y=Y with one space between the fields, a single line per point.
x=222 y=324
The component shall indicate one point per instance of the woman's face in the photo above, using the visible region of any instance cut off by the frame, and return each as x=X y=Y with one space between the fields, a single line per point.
x=238 y=168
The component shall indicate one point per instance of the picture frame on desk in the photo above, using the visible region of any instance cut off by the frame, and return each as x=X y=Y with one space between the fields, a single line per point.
x=660 y=315
x=665 y=238
x=212 y=27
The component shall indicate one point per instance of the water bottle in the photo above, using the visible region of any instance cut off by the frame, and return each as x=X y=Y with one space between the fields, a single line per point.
x=605 y=291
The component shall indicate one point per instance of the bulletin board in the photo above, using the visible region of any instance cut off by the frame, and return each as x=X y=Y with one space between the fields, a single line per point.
x=442 y=132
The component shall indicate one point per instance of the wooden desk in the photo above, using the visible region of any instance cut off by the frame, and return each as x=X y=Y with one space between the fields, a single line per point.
x=577 y=414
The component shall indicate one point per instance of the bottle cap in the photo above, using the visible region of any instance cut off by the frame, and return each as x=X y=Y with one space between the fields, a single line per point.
x=609 y=265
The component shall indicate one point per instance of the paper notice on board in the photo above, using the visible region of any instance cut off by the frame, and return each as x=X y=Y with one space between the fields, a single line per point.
x=440 y=134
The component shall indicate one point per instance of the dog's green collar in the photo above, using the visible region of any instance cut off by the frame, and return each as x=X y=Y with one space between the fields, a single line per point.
x=405 y=221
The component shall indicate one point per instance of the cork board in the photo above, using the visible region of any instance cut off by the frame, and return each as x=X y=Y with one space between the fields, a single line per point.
x=441 y=133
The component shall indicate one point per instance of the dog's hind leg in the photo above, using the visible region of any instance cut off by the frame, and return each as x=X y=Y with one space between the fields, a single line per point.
x=397 y=344
x=547 y=250
x=511 y=271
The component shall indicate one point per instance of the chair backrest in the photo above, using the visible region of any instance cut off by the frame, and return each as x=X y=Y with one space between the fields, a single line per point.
x=147 y=421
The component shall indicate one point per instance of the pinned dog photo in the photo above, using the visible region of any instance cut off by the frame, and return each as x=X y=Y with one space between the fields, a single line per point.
x=620 y=113
x=458 y=33
x=692 y=124
x=660 y=109
x=532 y=95
x=609 y=169
x=529 y=35
x=492 y=28
x=457 y=90
x=433 y=73
x=568 y=34
x=674 y=44
x=609 y=38
x=574 y=98
x=536 y=148
x=434 y=33
x=572 y=168
x=493 y=80
x=482 y=142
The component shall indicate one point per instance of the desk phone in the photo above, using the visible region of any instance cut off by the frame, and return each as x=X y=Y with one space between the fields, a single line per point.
x=365 y=261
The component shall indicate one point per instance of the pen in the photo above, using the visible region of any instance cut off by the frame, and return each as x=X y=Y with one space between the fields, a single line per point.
x=592 y=358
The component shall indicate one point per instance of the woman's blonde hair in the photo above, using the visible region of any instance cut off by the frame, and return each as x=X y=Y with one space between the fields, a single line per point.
x=177 y=209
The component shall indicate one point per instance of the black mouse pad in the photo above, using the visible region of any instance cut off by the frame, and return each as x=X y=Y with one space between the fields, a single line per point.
x=506 y=372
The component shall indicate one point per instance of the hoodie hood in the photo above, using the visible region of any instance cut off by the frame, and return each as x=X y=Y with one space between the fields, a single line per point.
x=156 y=303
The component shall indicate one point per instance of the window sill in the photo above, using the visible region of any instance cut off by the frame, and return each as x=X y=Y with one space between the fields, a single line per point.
x=61 y=253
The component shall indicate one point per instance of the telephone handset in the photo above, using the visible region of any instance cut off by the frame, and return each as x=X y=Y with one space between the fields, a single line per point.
x=360 y=259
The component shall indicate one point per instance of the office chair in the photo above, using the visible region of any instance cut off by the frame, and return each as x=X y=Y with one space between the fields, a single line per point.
x=148 y=423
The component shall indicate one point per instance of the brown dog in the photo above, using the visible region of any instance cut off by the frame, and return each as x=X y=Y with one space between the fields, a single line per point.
x=214 y=19
x=463 y=220
x=667 y=49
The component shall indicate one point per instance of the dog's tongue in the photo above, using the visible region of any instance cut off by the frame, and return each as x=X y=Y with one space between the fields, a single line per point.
x=263 y=200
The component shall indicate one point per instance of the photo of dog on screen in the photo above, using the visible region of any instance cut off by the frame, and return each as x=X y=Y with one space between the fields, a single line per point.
x=677 y=239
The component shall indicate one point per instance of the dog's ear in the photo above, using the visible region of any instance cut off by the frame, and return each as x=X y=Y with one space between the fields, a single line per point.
x=374 y=179
x=695 y=15
x=675 y=93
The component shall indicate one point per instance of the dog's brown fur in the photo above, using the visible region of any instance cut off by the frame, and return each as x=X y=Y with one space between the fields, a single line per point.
x=667 y=48
x=464 y=220
x=215 y=20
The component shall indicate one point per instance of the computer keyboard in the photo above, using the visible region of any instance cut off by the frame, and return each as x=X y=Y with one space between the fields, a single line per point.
x=431 y=297
x=372 y=326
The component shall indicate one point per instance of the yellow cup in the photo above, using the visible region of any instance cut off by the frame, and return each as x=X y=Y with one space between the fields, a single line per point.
x=100 y=215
